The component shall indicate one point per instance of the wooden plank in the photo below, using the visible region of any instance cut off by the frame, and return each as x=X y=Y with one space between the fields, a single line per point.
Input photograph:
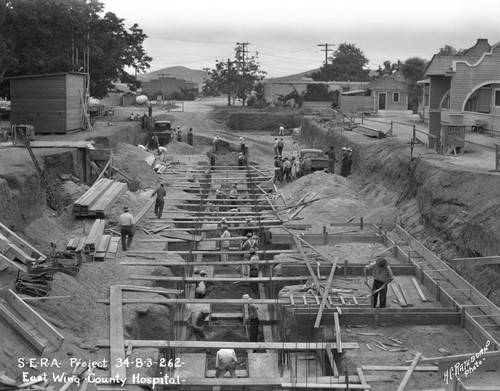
x=113 y=248
x=362 y=378
x=11 y=319
x=331 y=359
x=387 y=368
x=400 y=298
x=408 y=373
x=32 y=317
x=219 y=279
x=334 y=386
x=289 y=346
x=405 y=296
x=457 y=357
x=209 y=252
x=138 y=217
x=419 y=291
x=117 y=343
x=17 y=265
x=478 y=261
x=306 y=260
x=22 y=242
x=337 y=332
x=194 y=301
x=325 y=295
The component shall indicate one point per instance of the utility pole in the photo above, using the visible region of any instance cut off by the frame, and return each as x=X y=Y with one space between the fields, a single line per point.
x=229 y=67
x=326 y=50
x=243 y=49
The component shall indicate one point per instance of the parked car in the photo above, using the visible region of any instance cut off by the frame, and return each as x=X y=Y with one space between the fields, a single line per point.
x=318 y=158
x=163 y=130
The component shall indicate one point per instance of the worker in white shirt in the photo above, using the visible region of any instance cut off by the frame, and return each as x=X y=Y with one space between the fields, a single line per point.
x=224 y=243
x=225 y=361
x=126 y=221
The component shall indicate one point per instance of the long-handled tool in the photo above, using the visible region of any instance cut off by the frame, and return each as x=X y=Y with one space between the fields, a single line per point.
x=375 y=291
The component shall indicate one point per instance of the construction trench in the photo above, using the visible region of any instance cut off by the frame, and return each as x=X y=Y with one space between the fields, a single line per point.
x=318 y=329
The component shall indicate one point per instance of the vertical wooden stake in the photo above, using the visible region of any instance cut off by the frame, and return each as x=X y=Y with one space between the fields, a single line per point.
x=346 y=263
x=376 y=316
x=361 y=223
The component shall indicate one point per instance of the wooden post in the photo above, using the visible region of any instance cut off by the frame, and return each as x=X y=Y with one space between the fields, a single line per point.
x=325 y=233
x=497 y=156
x=376 y=316
x=361 y=223
x=346 y=263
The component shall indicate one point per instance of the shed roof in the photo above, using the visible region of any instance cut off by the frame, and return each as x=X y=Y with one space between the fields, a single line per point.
x=45 y=75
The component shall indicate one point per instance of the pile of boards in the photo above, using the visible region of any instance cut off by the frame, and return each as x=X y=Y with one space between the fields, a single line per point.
x=99 y=199
x=99 y=246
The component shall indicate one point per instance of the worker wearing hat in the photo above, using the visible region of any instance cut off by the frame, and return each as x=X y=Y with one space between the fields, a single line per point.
x=224 y=243
x=252 y=320
x=281 y=132
x=243 y=147
x=343 y=161
x=254 y=269
x=233 y=195
x=382 y=276
x=348 y=162
x=194 y=324
x=126 y=221
x=201 y=286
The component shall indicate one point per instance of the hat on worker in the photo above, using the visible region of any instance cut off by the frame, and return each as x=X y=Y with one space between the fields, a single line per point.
x=126 y=208
x=282 y=128
x=381 y=262
x=205 y=311
x=344 y=149
x=249 y=235
x=246 y=297
x=241 y=138
x=203 y=273
x=349 y=149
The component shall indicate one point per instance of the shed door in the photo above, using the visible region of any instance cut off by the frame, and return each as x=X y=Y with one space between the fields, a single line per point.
x=382 y=96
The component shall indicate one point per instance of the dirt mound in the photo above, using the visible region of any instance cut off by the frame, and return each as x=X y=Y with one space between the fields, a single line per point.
x=337 y=201
x=129 y=160
x=179 y=148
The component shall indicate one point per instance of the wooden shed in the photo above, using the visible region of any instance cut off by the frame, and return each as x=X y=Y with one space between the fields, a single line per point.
x=52 y=103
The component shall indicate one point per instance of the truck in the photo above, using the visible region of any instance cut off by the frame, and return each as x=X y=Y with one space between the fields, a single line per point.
x=163 y=130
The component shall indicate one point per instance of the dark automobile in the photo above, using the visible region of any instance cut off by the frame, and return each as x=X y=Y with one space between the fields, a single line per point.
x=318 y=158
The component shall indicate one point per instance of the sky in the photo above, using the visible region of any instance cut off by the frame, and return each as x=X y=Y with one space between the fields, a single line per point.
x=285 y=34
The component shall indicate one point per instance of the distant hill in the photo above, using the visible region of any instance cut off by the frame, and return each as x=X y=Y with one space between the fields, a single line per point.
x=178 y=72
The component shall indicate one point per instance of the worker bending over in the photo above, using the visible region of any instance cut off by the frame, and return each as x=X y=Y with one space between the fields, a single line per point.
x=225 y=361
x=252 y=320
x=382 y=276
x=194 y=324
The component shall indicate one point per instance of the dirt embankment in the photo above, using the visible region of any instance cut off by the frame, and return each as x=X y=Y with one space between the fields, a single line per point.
x=453 y=212
x=266 y=119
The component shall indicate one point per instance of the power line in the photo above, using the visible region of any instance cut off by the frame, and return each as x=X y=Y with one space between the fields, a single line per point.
x=326 y=50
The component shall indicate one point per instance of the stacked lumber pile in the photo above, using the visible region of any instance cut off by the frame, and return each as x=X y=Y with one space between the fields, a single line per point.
x=100 y=246
x=99 y=199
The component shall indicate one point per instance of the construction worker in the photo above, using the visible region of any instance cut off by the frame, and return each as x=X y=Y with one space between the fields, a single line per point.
x=254 y=270
x=281 y=132
x=154 y=143
x=277 y=170
x=242 y=161
x=296 y=167
x=194 y=324
x=295 y=150
x=224 y=243
x=213 y=159
x=306 y=166
x=281 y=145
x=249 y=227
x=126 y=221
x=343 y=161
x=331 y=160
x=201 y=287
x=348 y=162
x=243 y=147
x=190 y=136
x=252 y=320
x=382 y=276
x=276 y=151
x=287 y=170
x=215 y=141
x=150 y=109
x=162 y=154
x=179 y=134
x=225 y=361
x=160 y=193
x=233 y=195
x=220 y=197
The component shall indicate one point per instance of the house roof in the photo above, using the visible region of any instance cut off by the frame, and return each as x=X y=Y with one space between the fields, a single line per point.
x=395 y=81
x=442 y=65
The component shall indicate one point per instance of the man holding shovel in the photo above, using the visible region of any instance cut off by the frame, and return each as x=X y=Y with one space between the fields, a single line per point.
x=382 y=276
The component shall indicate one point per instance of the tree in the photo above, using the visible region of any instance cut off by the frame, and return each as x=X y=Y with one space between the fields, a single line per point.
x=448 y=50
x=347 y=63
x=238 y=78
x=389 y=68
x=48 y=36
x=413 y=69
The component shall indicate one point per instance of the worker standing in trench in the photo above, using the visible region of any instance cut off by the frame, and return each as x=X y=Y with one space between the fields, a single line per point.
x=252 y=320
x=382 y=276
x=194 y=324
x=160 y=193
